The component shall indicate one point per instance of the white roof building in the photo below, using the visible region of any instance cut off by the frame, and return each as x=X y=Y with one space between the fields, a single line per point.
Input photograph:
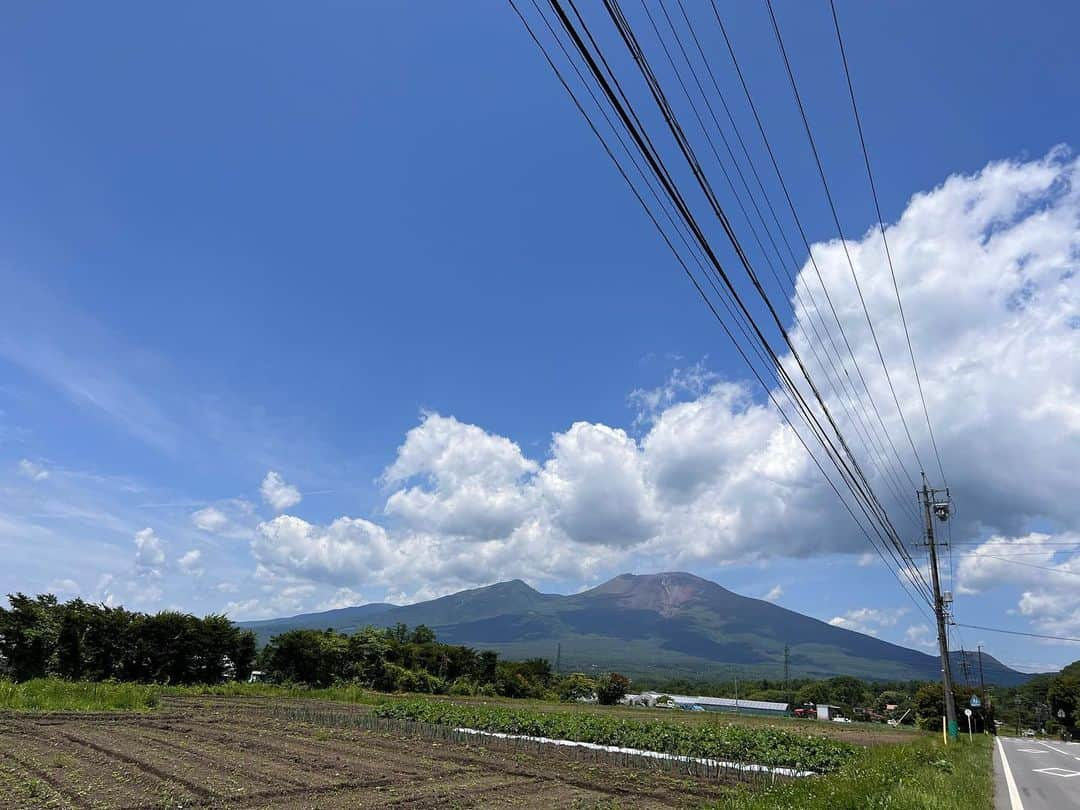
x=711 y=703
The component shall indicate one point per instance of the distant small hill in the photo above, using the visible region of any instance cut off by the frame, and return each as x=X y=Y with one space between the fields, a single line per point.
x=661 y=625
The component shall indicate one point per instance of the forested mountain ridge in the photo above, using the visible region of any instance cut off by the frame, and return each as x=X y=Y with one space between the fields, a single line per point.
x=662 y=625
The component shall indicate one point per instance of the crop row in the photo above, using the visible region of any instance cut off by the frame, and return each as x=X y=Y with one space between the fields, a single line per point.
x=759 y=745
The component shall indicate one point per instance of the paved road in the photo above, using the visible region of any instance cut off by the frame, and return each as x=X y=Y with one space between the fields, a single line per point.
x=1034 y=774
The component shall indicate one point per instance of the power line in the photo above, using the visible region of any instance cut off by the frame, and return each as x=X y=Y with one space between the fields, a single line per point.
x=864 y=497
x=839 y=228
x=884 y=238
x=862 y=426
x=976 y=553
x=1066 y=543
x=1019 y=633
x=1029 y=565
x=630 y=40
x=806 y=243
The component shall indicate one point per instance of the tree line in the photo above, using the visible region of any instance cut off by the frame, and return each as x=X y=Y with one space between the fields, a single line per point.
x=42 y=637
x=1046 y=702
x=400 y=659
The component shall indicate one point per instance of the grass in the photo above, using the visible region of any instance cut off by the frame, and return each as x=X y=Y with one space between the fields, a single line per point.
x=53 y=695
x=921 y=775
x=56 y=694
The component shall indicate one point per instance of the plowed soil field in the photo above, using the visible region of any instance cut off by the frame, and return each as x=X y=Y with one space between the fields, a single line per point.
x=253 y=753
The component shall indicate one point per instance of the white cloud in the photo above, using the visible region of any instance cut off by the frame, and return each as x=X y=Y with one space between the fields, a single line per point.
x=774 y=594
x=458 y=480
x=233 y=519
x=989 y=267
x=1026 y=560
x=278 y=494
x=31 y=470
x=346 y=551
x=191 y=562
x=1045 y=566
x=868 y=620
x=594 y=487
x=341 y=598
x=68 y=587
x=149 y=552
x=281 y=602
x=211 y=519
x=921 y=635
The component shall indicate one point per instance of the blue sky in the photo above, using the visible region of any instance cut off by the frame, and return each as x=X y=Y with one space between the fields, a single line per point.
x=242 y=239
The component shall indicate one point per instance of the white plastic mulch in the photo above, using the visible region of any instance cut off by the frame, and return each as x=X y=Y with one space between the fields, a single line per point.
x=737 y=766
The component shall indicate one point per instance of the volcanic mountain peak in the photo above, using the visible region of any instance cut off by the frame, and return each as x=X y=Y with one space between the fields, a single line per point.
x=666 y=594
x=673 y=623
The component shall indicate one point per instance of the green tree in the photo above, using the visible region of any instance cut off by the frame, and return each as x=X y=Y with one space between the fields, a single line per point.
x=29 y=633
x=847 y=691
x=422 y=634
x=814 y=692
x=576 y=686
x=611 y=688
x=1064 y=696
x=892 y=697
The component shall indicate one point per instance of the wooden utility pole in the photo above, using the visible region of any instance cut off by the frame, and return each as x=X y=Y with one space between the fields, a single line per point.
x=932 y=508
x=982 y=681
x=787 y=670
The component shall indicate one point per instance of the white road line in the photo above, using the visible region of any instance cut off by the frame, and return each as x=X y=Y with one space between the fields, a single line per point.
x=1058 y=750
x=1014 y=794
x=1062 y=772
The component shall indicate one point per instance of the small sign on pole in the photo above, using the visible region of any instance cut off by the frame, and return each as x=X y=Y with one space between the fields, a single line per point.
x=976 y=702
x=968 y=713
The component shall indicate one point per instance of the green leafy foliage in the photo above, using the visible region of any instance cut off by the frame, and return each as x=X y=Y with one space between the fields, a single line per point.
x=41 y=637
x=55 y=694
x=922 y=775
x=761 y=745
x=611 y=688
x=397 y=659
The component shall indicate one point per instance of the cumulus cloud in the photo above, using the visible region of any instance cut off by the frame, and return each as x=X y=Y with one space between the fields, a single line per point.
x=708 y=474
x=278 y=602
x=870 y=621
x=63 y=586
x=149 y=552
x=1045 y=566
x=233 y=519
x=459 y=480
x=191 y=562
x=774 y=594
x=278 y=494
x=211 y=519
x=920 y=635
x=341 y=598
x=347 y=550
x=31 y=470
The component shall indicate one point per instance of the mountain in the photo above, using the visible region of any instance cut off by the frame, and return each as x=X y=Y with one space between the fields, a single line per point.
x=660 y=625
x=347 y=620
